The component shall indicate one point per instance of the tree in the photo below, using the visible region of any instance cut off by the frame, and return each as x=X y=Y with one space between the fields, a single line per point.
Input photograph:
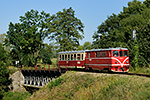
x=144 y=45
x=2 y=38
x=66 y=29
x=27 y=36
x=116 y=30
x=46 y=54
x=4 y=73
x=85 y=46
x=80 y=47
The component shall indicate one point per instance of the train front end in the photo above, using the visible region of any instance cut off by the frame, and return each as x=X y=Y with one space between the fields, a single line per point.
x=120 y=60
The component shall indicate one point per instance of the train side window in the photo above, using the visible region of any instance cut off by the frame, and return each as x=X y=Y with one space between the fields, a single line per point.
x=89 y=55
x=121 y=53
x=59 y=57
x=68 y=56
x=126 y=54
x=82 y=57
x=103 y=54
x=65 y=57
x=62 y=57
x=74 y=56
x=96 y=54
x=78 y=56
x=109 y=53
x=115 y=53
x=71 y=56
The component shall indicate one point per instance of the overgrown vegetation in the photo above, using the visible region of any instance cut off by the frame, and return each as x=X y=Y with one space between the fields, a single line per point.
x=16 y=96
x=140 y=70
x=55 y=83
x=12 y=69
x=84 y=86
x=4 y=73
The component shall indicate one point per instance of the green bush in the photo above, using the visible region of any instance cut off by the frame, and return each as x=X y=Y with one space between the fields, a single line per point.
x=4 y=73
x=13 y=70
x=16 y=95
x=57 y=82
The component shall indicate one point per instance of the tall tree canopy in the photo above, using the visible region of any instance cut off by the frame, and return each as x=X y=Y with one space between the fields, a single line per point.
x=66 y=29
x=2 y=38
x=27 y=36
x=116 y=30
x=85 y=46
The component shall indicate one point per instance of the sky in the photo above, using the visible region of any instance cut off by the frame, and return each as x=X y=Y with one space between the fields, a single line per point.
x=91 y=12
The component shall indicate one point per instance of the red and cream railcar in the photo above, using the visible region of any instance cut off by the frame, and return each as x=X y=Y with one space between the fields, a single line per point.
x=71 y=59
x=112 y=59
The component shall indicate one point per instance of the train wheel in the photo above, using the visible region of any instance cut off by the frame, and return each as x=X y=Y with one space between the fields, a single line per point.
x=88 y=68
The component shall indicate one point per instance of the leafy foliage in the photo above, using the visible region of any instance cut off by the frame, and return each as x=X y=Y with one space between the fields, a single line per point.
x=85 y=46
x=2 y=38
x=116 y=30
x=144 y=45
x=46 y=54
x=4 y=73
x=27 y=36
x=66 y=29
x=57 y=82
x=16 y=95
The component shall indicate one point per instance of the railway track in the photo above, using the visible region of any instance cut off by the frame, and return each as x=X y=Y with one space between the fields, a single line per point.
x=104 y=72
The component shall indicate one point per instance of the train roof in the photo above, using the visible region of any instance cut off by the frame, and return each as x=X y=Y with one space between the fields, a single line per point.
x=107 y=49
x=82 y=51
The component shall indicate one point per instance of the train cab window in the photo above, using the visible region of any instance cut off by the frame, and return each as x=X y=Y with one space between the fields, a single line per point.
x=115 y=53
x=71 y=56
x=63 y=57
x=59 y=57
x=78 y=56
x=74 y=56
x=68 y=56
x=126 y=53
x=121 y=53
x=82 y=57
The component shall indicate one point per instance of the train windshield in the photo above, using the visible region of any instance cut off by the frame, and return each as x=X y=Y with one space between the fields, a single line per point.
x=126 y=54
x=115 y=53
x=120 y=53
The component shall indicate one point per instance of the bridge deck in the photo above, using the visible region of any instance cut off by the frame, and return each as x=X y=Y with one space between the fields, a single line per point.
x=40 y=67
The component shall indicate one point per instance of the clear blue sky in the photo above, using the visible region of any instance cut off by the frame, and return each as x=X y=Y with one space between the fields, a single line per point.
x=91 y=12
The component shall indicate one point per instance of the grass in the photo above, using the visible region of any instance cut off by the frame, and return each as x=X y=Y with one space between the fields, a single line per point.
x=16 y=96
x=140 y=70
x=79 y=86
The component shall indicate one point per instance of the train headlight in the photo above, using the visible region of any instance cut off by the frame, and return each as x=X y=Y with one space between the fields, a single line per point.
x=126 y=62
x=116 y=62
